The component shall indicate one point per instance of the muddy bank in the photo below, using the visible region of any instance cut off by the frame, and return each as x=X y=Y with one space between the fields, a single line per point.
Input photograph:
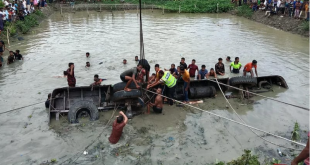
x=284 y=23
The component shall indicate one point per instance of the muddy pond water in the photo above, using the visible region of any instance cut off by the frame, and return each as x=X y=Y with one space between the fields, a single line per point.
x=180 y=135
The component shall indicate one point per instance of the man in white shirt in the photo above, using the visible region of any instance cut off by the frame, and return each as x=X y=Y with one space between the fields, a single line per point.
x=6 y=3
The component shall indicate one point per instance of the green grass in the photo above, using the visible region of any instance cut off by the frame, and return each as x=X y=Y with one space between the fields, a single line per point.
x=187 y=6
x=305 y=26
x=244 y=11
x=24 y=26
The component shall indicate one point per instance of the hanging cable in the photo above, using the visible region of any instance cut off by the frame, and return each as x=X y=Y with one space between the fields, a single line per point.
x=231 y=120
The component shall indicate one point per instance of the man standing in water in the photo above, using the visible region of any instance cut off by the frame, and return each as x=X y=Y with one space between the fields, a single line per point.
x=129 y=76
x=182 y=63
x=70 y=78
x=248 y=68
x=236 y=65
x=18 y=56
x=87 y=54
x=220 y=68
x=170 y=81
x=187 y=80
x=2 y=49
x=192 y=68
x=136 y=58
x=158 y=104
x=117 y=128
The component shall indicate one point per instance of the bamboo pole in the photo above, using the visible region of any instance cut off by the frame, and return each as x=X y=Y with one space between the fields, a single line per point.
x=124 y=8
x=100 y=7
x=217 y=7
x=87 y=11
x=60 y=10
x=137 y=10
x=7 y=35
x=163 y=9
x=179 y=9
x=152 y=8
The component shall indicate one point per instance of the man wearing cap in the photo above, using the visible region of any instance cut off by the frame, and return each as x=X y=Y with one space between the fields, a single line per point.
x=169 y=80
x=248 y=68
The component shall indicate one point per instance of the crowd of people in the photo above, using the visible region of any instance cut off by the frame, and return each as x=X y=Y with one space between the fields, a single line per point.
x=166 y=79
x=292 y=8
x=17 y=9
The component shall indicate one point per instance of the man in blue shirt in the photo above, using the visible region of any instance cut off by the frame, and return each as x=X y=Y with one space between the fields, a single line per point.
x=202 y=73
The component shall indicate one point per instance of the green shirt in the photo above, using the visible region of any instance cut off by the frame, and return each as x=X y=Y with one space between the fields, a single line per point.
x=235 y=66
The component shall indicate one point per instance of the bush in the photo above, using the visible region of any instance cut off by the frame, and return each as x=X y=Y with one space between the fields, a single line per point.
x=24 y=26
x=244 y=11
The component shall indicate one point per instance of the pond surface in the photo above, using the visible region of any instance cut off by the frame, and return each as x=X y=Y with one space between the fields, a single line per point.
x=182 y=135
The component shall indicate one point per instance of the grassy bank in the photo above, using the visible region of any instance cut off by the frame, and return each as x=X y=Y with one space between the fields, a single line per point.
x=25 y=25
x=186 y=6
x=244 y=11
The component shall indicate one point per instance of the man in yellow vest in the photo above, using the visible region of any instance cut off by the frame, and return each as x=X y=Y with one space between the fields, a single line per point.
x=170 y=82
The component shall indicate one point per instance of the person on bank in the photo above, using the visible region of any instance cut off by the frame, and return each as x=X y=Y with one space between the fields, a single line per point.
x=158 y=103
x=130 y=76
x=157 y=69
x=170 y=81
x=236 y=65
x=202 y=73
x=248 y=68
x=97 y=80
x=219 y=67
x=117 y=128
x=70 y=77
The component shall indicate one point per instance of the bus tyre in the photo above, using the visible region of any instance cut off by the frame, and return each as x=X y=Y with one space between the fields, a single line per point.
x=243 y=80
x=83 y=108
x=121 y=95
x=121 y=85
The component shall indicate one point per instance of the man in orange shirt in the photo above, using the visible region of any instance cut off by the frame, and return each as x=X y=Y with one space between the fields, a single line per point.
x=186 y=78
x=248 y=68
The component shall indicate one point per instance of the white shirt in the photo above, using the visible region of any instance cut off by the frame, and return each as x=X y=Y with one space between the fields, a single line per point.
x=6 y=3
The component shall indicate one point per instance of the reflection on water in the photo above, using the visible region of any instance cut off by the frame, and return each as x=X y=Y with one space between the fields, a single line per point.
x=204 y=37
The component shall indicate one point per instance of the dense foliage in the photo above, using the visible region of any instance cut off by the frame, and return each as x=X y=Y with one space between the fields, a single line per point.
x=244 y=11
x=187 y=6
x=25 y=25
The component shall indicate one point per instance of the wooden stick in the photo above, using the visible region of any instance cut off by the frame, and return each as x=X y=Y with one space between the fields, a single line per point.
x=163 y=9
x=137 y=10
x=7 y=35
x=179 y=9
x=152 y=8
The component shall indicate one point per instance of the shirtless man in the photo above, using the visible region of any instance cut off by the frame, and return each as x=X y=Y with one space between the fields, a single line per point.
x=129 y=76
x=158 y=104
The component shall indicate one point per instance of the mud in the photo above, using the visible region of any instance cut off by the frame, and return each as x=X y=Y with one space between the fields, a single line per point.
x=284 y=23
x=180 y=135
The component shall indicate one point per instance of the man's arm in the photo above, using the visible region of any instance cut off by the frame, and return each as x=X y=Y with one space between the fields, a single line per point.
x=256 y=72
x=199 y=76
x=230 y=68
x=154 y=84
x=134 y=80
x=215 y=76
x=125 y=117
x=303 y=155
x=186 y=89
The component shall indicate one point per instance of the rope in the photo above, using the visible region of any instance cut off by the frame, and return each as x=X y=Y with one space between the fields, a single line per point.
x=115 y=108
x=304 y=108
x=245 y=122
x=231 y=120
x=20 y=108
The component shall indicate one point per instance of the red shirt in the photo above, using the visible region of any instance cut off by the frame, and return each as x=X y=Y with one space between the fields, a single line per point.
x=71 y=79
x=116 y=132
x=192 y=69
